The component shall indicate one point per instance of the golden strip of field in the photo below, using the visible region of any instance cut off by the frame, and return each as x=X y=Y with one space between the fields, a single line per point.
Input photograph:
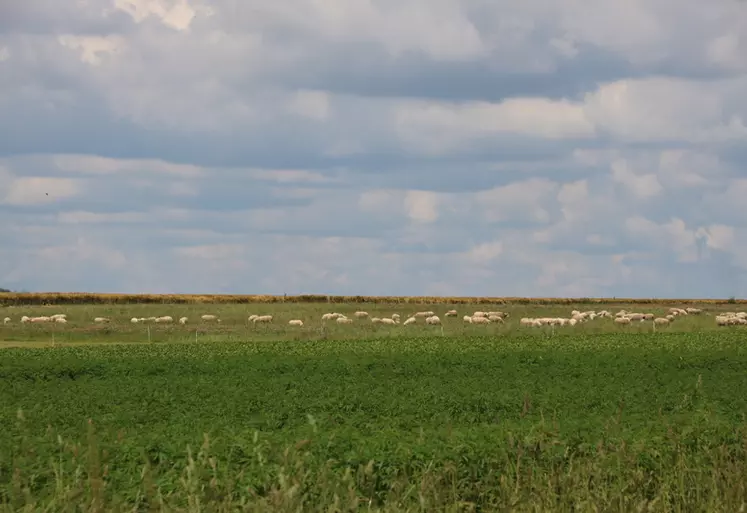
x=72 y=298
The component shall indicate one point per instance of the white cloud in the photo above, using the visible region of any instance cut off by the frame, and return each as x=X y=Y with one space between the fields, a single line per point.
x=92 y=48
x=641 y=186
x=310 y=104
x=421 y=206
x=39 y=191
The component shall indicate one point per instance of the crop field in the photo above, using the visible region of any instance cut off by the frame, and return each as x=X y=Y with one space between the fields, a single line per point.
x=233 y=416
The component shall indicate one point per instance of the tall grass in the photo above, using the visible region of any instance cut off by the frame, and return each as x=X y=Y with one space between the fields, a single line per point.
x=538 y=471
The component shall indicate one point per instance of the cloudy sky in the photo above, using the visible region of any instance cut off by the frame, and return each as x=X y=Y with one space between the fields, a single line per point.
x=445 y=147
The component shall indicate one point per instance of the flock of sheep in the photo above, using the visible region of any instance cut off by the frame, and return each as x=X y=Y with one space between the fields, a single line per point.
x=430 y=318
x=621 y=317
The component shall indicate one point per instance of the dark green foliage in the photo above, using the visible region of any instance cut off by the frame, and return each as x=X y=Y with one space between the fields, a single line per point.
x=617 y=405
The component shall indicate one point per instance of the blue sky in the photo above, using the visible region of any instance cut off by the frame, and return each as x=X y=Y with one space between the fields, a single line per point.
x=405 y=147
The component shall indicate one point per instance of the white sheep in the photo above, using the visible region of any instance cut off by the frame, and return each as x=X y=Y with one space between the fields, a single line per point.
x=295 y=322
x=134 y=320
x=331 y=316
x=361 y=314
x=100 y=320
x=467 y=319
x=345 y=320
x=25 y=318
x=495 y=318
x=480 y=320
x=165 y=319
x=433 y=319
x=451 y=313
x=479 y=314
x=410 y=320
x=663 y=321
x=252 y=317
x=390 y=322
x=209 y=317
x=40 y=319
x=60 y=320
x=622 y=320
x=396 y=317
x=262 y=318
x=183 y=320
x=6 y=320
x=58 y=316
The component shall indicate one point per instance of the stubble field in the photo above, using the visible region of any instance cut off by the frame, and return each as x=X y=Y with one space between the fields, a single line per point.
x=237 y=417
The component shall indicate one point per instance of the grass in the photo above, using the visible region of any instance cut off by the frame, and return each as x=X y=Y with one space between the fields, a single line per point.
x=596 y=417
x=234 y=325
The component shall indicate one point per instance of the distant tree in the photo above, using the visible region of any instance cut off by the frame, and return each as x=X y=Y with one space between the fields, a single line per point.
x=4 y=290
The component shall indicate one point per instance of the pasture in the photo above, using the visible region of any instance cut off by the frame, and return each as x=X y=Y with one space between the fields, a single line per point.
x=233 y=416
x=234 y=325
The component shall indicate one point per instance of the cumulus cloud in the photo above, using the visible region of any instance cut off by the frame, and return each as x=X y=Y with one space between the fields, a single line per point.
x=453 y=147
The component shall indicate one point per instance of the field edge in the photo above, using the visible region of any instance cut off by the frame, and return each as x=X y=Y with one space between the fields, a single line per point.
x=72 y=298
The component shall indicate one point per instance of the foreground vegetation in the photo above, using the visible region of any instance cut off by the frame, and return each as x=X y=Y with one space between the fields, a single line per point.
x=569 y=422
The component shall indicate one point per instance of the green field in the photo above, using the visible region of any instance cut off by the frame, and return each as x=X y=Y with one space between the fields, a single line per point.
x=594 y=417
x=235 y=327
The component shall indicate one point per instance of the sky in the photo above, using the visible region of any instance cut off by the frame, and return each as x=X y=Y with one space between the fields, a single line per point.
x=570 y=148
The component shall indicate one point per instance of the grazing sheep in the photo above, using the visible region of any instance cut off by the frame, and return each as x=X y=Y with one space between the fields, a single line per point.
x=375 y=320
x=694 y=311
x=451 y=313
x=622 y=320
x=60 y=320
x=390 y=322
x=331 y=316
x=101 y=320
x=410 y=320
x=648 y=316
x=58 y=316
x=663 y=321
x=25 y=319
x=183 y=320
x=396 y=317
x=669 y=317
x=345 y=320
x=423 y=314
x=252 y=317
x=134 y=320
x=572 y=322
x=361 y=315
x=433 y=319
x=165 y=319
x=479 y=314
x=6 y=320
x=495 y=318
x=467 y=319
x=40 y=319
x=262 y=318
x=209 y=317
x=295 y=322
x=480 y=320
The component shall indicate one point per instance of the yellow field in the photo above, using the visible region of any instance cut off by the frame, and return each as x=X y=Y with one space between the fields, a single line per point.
x=72 y=298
